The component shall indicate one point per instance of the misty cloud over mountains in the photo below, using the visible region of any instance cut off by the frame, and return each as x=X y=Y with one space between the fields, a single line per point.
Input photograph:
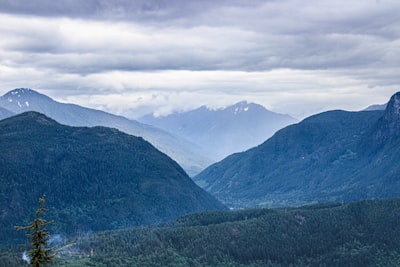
x=123 y=55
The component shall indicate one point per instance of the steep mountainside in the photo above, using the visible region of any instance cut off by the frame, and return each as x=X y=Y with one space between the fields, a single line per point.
x=223 y=131
x=185 y=153
x=94 y=178
x=333 y=156
x=356 y=234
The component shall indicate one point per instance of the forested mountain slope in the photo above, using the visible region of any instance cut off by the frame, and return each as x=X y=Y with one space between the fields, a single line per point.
x=332 y=156
x=187 y=154
x=94 y=178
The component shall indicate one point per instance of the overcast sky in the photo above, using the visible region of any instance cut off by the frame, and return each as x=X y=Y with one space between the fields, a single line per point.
x=132 y=57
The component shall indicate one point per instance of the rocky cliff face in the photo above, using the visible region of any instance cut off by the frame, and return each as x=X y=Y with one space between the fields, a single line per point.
x=389 y=125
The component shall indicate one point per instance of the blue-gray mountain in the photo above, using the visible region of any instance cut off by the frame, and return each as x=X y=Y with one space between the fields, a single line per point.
x=376 y=107
x=187 y=154
x=4 y=113
x=94 y=178
x=221 y=132
x=332 y=156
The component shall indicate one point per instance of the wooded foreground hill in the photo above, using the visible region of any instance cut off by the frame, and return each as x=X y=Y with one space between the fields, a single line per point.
x=357 y=234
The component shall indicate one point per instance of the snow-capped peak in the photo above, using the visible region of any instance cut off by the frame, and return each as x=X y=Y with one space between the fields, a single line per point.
x=18 y=97
x=19 y=92
x=237 y=108
x=22 y=99
x=240 y=107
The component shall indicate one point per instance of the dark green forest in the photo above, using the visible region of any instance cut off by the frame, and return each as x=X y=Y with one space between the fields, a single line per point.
x=357 y=234
x=94 y=178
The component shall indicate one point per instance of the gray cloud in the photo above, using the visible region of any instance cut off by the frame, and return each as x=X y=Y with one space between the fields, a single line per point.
x=202 y=49
x=151 y=10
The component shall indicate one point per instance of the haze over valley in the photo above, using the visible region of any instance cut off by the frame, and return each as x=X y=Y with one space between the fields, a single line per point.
x=199 y=133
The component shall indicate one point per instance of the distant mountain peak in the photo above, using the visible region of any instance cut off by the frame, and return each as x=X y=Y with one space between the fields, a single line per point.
x=240 y=107
x=241 y=103
x=376 y=107
x=243 y=107
x=21 y=98
x=21 y=91
x=223 y=131
x=18 y=92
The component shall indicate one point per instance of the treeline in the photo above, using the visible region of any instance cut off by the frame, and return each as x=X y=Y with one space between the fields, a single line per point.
x=357 y=234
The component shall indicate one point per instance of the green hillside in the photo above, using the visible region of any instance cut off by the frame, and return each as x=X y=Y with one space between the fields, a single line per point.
x=357 y=234
x=333 y=156
x=94 y=178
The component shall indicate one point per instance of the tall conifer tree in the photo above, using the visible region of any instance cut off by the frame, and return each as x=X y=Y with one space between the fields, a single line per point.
x=40 y=254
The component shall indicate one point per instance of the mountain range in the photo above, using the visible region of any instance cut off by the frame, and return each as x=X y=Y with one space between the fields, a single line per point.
x=221 y=132
x=187 y=154
x=100 y=178
x=195 y=139
x=94 y=178
x=333 y=156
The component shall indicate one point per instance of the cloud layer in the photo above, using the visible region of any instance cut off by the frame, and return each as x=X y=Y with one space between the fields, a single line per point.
x=132 y=57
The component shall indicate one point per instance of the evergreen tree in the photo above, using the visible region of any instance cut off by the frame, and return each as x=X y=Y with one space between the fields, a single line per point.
x=40 y=254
